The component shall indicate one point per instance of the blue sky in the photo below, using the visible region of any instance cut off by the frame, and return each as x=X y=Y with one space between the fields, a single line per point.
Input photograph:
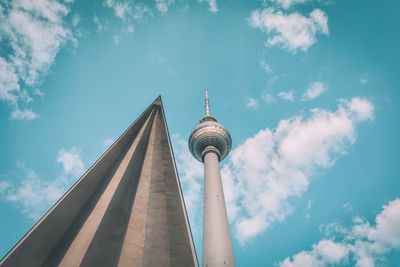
x=307 y=88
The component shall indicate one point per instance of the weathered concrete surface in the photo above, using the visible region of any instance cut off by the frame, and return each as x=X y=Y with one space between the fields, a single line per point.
x=133 y=246
x=126 y=210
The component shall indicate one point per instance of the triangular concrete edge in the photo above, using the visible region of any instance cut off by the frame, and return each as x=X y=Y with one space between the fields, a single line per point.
x=158 y=102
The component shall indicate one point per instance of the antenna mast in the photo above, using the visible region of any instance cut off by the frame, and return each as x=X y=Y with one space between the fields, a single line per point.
x=207 y=105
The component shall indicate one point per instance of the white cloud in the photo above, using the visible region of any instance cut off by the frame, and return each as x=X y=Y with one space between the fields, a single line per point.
x=363 y=244
x=75 y=20
x=27 y=114
x=97 y=22
x=130 y=28
x=33 y=194
x=121 y=9
x=265 y=66
x=108 y=142
x=116 y=39
x=268 y=98
x=286 y=95
x=191 y=178
x=252 y=102
x=324 y=253
x=24 y=96
x=293 y=31
x=3 y=186
x=125 y=10
x=140 y=10
x=347 y=206
x=71 y=161
x=162 y=5
x=9 y=87
x=273 y=79
x=386 y=233
x=314 y=90
x=34 y=31
x=38 y=92
x=130 y=13
x=212 y=5
x=287 y=3
x=35 y=41
x=363 y=80
x=360 y=109
x=265 y=174
x=269 y=170
x=309 y=205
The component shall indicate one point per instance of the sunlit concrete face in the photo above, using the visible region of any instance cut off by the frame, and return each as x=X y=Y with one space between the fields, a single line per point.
x=210 y=142
x=126 y=210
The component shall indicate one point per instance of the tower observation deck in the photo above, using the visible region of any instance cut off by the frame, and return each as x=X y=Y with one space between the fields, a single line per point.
x=210 y=143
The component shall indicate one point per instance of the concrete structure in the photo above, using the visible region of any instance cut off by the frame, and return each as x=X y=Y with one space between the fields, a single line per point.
x=126 y=210
x=210 y=143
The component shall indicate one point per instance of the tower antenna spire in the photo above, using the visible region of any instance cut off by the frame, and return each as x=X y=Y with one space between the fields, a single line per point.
x=207 y=105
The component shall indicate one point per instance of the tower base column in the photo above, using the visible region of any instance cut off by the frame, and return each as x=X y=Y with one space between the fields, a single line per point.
x=217 y=244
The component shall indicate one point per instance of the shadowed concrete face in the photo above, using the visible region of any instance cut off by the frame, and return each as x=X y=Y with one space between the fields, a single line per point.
x=126 y=210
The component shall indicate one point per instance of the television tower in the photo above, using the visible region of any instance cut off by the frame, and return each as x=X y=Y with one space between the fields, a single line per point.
x=210 y=143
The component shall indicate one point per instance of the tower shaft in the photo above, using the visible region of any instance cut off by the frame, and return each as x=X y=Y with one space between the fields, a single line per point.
x=210 y=143
x=217 y=244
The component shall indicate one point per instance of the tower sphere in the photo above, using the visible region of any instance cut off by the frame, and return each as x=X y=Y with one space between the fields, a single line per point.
x=209 y=133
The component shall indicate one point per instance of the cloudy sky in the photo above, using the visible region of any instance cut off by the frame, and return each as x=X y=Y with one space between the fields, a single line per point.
x=308 y=89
